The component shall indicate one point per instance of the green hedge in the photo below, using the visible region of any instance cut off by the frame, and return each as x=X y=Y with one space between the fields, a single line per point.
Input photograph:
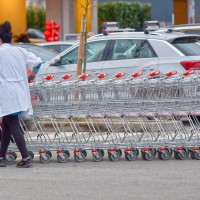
x=127 y=14
x=36 y=17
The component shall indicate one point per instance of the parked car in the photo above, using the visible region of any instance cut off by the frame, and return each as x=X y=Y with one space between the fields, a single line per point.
x=131 y=52
x=58 y=46
x=35 y=35
x=43 y=53
x=184 y=28
x=151 y=25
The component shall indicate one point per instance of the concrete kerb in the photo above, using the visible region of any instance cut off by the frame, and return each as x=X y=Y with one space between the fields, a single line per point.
x=101 y=125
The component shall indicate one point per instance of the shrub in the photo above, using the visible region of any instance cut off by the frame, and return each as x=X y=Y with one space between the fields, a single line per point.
x=127 y=14
x=36 y=18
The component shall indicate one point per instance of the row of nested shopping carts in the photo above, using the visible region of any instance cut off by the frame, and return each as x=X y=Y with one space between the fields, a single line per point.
x=149 y=109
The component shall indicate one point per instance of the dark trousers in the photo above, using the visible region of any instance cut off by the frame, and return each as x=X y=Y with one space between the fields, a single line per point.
x=11 y=127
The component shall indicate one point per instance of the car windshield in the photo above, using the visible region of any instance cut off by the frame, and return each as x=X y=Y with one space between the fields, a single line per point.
x=43 y=53
x=188 y=46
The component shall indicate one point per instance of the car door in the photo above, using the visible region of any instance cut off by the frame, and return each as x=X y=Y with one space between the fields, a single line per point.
x=124 y=56
x=96 y=53
x=147 y=57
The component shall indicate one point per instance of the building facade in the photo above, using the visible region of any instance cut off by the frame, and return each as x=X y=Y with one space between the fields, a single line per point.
x=68 y=14
x=170 y=11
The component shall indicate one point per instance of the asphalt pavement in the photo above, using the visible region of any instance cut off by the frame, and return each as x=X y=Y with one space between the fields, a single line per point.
x=105 y=180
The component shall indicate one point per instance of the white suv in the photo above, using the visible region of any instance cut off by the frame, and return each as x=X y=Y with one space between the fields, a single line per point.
x=131 y=52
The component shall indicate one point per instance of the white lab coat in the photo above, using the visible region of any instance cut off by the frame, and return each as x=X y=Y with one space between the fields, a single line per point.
x=14 y=88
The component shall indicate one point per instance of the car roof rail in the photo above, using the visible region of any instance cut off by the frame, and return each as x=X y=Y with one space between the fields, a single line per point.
x=108 y=31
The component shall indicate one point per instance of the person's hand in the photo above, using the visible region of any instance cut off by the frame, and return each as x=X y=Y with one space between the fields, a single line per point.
x=31 y=77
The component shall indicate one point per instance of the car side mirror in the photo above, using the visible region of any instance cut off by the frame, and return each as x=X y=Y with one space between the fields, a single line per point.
x=56 y=62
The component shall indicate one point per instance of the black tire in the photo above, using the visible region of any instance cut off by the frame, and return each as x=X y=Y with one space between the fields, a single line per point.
x=79 y=158
x=63 y=159
x=176 y=155
x=31 y=154
x=148 y=156
x=164 y=155
x=154 y=151
x=119 y=151
x=142 y=155
x=49 y=153
x=102 y=152
x=192 y=155
x=97 y=157
x=84 y=152
x=170 y=151
x=114 y=157
x=137 y=151
x=10 y=159
x=180 y=155
x=67 y=152
x=196 y=155
x=132 y=156
x=45 y=159
x=186 y=151
x=14 y=154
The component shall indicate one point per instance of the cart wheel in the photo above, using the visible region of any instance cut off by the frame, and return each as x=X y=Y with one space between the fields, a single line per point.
x=154 y=151
x=186 y=151
x=97 y=157
x=31 y=154
x=170 y=151
x=84 y=152
x=45 y=159
x=195 y=155
x=131 y=156
x=119 y=151
x=180 y=155
x=192 y=155
x=176 y=155
x=114 y=157
x=147 y=156
x=14 y=154
x=137 y=151
x=49 y=153
x=67 y=152
x=10 y=159
x=63 y=158
x=102 y=152
x=164 y=155
x=80 y=158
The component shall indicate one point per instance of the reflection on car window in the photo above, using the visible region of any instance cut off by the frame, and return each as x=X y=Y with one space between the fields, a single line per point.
x=188 y=46
x=52 y=47
x=145 y=51
x=125 y=49
x=132 y=48
x=192 y=32
x=94 y=53
x=42 y=52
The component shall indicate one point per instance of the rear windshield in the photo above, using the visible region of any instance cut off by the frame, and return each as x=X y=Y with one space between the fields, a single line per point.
x=188 y=46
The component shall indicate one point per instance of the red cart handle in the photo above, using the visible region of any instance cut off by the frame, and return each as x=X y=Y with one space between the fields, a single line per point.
x=120 y=74
x=49 y=77
x=66 y=76
x=154 y=73
x=171 y=73
x=84 y=76
x=189 y=72
x=137 y=74
x=102 y=75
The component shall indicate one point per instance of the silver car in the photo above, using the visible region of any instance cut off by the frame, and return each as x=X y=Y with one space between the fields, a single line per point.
x=58 y=46
x=131 y=52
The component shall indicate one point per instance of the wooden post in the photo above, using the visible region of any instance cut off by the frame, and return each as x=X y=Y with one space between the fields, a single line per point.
x=81 y=45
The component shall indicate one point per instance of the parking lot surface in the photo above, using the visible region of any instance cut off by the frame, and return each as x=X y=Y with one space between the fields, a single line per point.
x=122 y=180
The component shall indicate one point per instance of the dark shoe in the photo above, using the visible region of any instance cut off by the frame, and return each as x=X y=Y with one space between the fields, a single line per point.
x=2 y=162
x=25 y=163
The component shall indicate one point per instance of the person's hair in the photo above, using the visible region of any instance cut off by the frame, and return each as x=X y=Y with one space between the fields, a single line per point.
x=5 y=32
